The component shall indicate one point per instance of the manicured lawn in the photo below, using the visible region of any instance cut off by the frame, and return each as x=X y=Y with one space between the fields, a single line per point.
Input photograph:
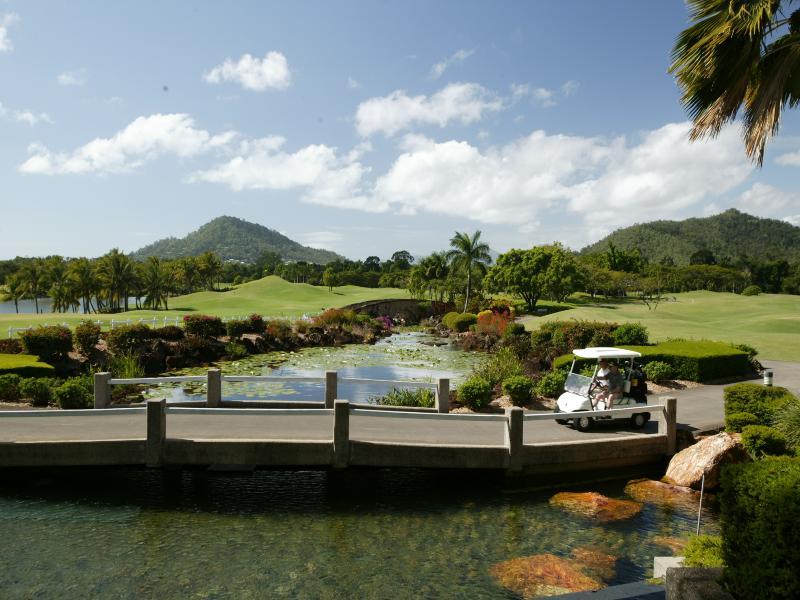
x=24 y=365
x=270 y=296
x=769 y=322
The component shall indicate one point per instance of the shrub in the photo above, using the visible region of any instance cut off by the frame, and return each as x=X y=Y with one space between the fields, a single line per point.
x=10 y=346
x=760 y=518
x=659 y=371
x=204 y=326
x=558 y=337
x=491 y=323
x=127 y=339
x=513 y=329
x=87 y=334
x=236 y=350
x=126 y=365
x=459 y=322
x=169 y=333
x=475 y=392
x=633 y=334
x=787 y=421
x=48 y=342
x=762 y=401
x=39 y=391
x=236 y=328
x=335 y=316
x=280 y=329
x=417 y=397
x=761 y=441
x=551 y=384
x=751 y=290
x=499 y=366
x=72 y=394
x=519 y=388
x=735 y=422
x=704 y=551
x=24 y=365
x=9 y=387
x=256 y=324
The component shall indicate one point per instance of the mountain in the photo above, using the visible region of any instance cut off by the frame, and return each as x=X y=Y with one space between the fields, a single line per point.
x=729 y=236
x=235 y=239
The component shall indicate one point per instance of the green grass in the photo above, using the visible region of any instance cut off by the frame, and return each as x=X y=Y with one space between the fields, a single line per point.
x=24 y=365
x=270 y=296
x=769 y=322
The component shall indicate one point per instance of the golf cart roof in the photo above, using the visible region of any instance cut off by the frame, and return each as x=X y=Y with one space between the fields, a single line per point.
x=601 y=352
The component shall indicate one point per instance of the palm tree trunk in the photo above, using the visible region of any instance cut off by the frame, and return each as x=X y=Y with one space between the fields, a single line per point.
x=36 y=302
x=469 y=285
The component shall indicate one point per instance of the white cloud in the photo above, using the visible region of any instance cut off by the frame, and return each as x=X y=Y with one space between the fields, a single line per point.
x=352 y=84
x=319 y=239
x=570 y=88
x=544 y=97
x=458 y=56
x=145 y=139
x=72 y=78
x=6 y=21
x=793 y=220
x=766 y=200
x=462 y=102
x=790 y=159
x=24 y=116
x=253 y=73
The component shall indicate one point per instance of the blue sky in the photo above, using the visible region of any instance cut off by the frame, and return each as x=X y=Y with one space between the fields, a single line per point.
x=363 y=127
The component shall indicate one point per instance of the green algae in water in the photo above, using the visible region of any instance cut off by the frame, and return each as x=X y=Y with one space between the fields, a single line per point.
x=378 y=534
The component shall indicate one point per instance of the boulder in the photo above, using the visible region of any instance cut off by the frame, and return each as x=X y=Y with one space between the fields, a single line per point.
x=707 y=456
x=596 y=506
x=663 y=494
x=543 y=575
x=596 y=562
x=674 y=544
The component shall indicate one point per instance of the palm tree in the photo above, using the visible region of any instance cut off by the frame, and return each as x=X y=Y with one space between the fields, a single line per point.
x=209 y=266
x=118 y=276
x=156 y=279
x=468 y=254
x=32 y=278
x=738 y=53
x=84 y=280
x=14 y=290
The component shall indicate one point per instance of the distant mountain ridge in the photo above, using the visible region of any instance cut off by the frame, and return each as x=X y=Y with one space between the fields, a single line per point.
x=729 y=236
x=235 y=239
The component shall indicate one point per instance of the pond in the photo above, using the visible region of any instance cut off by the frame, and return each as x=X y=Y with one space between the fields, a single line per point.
x=378 y=534
x=404 y=356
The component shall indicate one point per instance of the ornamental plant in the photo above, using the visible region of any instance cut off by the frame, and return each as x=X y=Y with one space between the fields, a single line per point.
x=87 y=334
x=72 y=394
x=491 y=323
x=475 y=393
x=48 y=342
x=206 y=326
x=518 y=388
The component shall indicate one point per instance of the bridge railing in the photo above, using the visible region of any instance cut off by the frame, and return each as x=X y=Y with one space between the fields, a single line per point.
x=330 y=383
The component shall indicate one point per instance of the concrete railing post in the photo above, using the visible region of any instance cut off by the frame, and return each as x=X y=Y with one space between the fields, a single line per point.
x=668 y=422
x=156 y=432
x=443 y=395
x=341 y=433
x=331 y=387
x=102 y=390
x=514 y=431
x=214 y=392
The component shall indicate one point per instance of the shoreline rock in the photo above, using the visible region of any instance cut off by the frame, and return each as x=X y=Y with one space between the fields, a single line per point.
x=706 y=456
x=596 y=506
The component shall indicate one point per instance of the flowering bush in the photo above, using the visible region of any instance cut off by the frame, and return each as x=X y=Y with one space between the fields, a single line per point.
x=502 y=307
x=335 y=316
x=203 y=325
x=493 y=323
x=87 y=334
x=385 y=321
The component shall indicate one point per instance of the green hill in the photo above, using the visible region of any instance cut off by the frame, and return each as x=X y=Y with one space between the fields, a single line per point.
x=235 y=239
x=730 y=235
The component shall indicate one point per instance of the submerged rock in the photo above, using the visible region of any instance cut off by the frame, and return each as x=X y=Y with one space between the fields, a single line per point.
x=543 y=575
x=663 y=494
x=595 y=562
x=707 y=456
x=596 y=506
x=675 y=544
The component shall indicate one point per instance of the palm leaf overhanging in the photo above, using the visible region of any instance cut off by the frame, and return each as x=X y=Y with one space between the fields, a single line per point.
x=739 y=53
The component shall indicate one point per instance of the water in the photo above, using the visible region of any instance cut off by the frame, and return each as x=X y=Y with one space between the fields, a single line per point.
x=408 y=356
x=380 y=534
x=28 y=307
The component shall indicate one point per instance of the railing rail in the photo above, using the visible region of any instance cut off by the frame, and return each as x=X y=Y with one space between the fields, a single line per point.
x=551 y=416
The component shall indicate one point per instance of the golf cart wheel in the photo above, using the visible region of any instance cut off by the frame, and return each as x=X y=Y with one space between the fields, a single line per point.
x=582 y=423
x=638 y=420
x=562 y=421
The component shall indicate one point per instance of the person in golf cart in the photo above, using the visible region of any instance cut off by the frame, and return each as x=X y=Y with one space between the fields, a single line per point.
x=616 y=389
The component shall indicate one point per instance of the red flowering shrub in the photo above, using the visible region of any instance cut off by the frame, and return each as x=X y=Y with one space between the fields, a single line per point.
x=204 y=326
x=492 y=323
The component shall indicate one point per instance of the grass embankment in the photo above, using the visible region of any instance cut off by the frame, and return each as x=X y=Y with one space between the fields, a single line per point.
x=24 y=365
x=768 y=322
x=270 y=296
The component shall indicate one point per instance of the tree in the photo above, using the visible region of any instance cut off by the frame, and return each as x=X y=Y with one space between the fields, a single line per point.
x=372 y=263
x=739 y=53
x=84 y=281
x=402 y=259
x=14 y=290
x=329 y=278
x=32 y=279
x=156 y=277
x=468 y=254
x=209 y=266
x=117 y=273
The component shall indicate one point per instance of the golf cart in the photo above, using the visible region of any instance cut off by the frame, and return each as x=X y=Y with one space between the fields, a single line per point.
x=583 y=393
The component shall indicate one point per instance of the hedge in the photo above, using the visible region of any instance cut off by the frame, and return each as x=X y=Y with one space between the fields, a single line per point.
x=24 y=365
x=127 y=339
x=759 y=400
x=204 y=326
x=760 y=518
x=699 y=360
x=48 y=342
x=761 y=441
x=459 y=322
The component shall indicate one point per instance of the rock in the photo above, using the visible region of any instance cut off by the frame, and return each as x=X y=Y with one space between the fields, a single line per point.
x=543 y=575
x=663 y=494
x=707 y=456
x=595 y=562
x=596 y=506
x=675 y=544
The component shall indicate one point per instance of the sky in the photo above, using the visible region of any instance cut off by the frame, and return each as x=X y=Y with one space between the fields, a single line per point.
x=360 y=127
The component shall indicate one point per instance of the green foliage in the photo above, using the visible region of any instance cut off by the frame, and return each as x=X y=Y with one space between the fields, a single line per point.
x=551 y=384
x=336 y=317
x=475 y=393
x=206 y=326
x=519 y=388
x=761 y=441
x=513 y=329
x=87 y=334
x=72 y=394
x=125 y=365
x=24 y=365
x=762 y=401
x=499 y=366
x=787 y=421
x=169 y=333
x=735 y=422
x=49 y=342
x=236 y=328
x=704 y=551
x=235 y=350
x=38 y=390
x=10 y=346
x=416 y=397
x=9 y=387
x=630 y=334
x=127 y=339
x=459 y=322
x=558 y=337
x=659 y=371
x=760 y=518
x=751 y=290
